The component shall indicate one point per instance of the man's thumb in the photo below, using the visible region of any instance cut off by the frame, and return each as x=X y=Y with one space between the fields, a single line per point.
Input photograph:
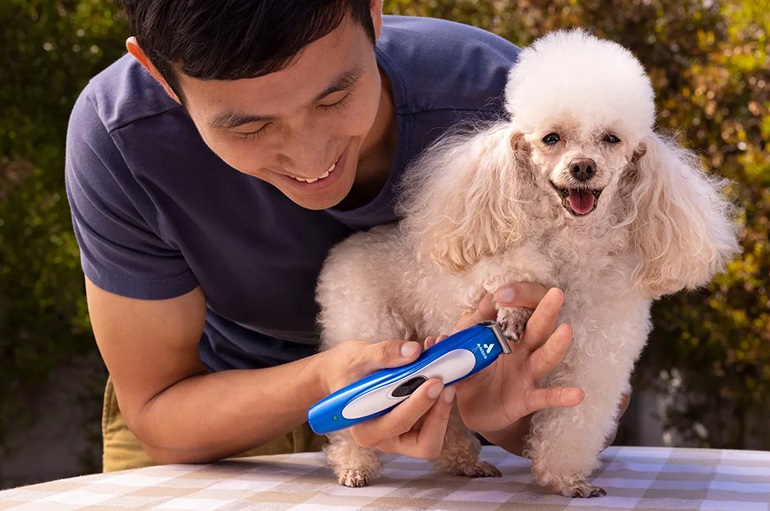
x=393 y=354
x=484 y=312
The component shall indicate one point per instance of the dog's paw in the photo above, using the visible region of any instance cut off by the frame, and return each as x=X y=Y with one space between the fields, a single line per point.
x=353 y=465
x=478 y=469
x=468 y=466
x=567 y=484
x=583 y=490
x=513 y=321
x=354 y=478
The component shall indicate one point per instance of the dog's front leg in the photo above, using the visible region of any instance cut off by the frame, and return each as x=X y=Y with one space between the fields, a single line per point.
x=565 y=442
x=513 y=321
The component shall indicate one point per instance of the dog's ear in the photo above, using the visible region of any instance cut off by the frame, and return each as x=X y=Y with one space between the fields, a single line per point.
x=462 y=196
x=682 y=225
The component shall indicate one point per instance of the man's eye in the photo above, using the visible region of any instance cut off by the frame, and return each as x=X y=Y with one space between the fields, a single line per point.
x=250 y=135
x=337 y=103
x=551 y=139
x=611 y=139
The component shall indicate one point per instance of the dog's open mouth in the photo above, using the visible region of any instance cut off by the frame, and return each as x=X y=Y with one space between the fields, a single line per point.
x=578 y=201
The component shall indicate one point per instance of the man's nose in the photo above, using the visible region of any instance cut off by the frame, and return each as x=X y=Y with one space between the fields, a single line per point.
x=304 y=153
x=304 y=163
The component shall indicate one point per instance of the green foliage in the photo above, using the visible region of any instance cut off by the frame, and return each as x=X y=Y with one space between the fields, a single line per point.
x=722 y=338
x=49 y=49
x=708 y=62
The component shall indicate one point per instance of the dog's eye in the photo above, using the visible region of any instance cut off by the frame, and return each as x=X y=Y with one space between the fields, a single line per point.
x=611 y=139
x=551 y=138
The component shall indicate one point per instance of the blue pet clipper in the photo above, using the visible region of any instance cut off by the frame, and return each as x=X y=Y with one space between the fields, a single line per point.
x=455 y=358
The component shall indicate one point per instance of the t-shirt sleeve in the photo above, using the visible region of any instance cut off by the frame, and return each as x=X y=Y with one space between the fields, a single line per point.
x=122 y=248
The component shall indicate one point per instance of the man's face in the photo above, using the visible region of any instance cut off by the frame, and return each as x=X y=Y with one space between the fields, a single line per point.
x=301 y=129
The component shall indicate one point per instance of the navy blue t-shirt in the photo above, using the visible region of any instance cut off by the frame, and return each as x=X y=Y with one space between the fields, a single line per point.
x=156 y=213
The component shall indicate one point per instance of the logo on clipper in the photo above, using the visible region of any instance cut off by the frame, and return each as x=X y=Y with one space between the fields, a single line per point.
x=485 y=349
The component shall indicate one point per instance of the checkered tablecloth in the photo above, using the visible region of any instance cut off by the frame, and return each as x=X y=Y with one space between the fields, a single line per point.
x=635 y=478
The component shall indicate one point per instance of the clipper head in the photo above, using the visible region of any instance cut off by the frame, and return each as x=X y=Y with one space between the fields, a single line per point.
x=499 y=335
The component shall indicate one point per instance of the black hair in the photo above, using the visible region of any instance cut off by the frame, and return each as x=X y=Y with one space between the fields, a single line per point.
x=233 y=39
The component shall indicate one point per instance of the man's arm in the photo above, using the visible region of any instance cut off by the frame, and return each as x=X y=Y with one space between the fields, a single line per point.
x=181 y=413
x=178 y=410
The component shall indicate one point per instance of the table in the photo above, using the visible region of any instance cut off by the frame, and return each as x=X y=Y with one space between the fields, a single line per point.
x=638 y=478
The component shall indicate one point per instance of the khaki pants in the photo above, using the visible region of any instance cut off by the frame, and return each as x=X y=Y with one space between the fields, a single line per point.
x=123 y=451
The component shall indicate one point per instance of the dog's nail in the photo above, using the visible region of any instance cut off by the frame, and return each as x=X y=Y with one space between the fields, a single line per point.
x=506 y=295
x=409 y=348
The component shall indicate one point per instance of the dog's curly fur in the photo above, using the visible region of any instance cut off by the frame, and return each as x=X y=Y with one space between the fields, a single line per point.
x=608 y=210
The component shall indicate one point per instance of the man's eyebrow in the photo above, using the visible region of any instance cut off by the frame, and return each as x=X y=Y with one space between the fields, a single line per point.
x=342 y=81
x=230 y=120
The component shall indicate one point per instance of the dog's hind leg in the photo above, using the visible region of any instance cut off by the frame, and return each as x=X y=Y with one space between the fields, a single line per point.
x=460 y=453
x=357 y=466
x=354 y=466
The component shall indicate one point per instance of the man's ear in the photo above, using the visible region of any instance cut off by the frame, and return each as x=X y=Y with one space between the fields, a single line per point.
x=375 y=7
x=133 y=48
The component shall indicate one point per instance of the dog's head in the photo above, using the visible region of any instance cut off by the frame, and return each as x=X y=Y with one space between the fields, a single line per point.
x=581 y=132
x=583 y=105
x=580 y=169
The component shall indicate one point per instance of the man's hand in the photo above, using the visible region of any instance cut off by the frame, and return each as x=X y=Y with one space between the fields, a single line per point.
x=496 y=401
x=417 y=426
x=507 y=391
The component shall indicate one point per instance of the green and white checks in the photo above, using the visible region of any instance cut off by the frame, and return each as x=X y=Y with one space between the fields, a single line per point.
x=636 y=478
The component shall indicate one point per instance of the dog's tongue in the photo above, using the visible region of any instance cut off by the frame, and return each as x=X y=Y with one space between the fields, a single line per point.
x=581 y=201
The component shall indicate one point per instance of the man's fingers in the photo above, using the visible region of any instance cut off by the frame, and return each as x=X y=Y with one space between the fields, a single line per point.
x=385 y=354
x=542 y=322
x=431 y=341
x=547 y=357
x=425 y=443
x=437 y=419
x=521 y=294
x=401 y=419
x=553 y=397
x=484 y=312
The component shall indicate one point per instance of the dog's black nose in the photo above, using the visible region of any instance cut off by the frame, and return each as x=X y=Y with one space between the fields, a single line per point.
x=582 y=169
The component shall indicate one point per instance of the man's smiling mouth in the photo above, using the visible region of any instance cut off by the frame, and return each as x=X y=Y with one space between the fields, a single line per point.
x=322 y=176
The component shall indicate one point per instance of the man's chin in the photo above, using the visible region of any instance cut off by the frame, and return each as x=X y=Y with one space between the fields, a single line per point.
x=320 y=200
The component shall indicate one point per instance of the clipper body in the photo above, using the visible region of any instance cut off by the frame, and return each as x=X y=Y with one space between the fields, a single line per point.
x=451 y=360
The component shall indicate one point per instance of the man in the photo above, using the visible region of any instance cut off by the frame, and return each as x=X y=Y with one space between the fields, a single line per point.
x=210 y=171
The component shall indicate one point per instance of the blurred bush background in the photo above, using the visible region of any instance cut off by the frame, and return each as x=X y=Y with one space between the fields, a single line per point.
x=708 y=363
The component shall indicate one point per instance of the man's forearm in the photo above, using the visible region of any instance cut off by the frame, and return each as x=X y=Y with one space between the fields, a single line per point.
x=215 y=415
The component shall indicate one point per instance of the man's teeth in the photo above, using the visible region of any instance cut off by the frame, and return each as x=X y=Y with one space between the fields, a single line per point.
x=322 y=176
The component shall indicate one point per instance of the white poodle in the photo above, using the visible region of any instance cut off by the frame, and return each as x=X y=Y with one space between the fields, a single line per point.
x=575 y=191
